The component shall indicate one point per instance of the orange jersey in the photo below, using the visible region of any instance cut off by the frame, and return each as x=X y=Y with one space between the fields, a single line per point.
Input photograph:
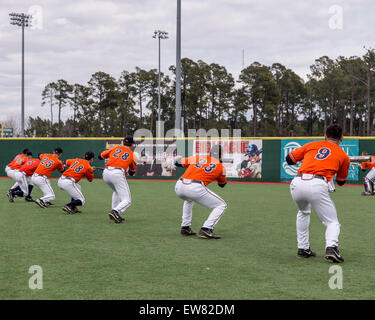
x=78 y=169
x=48 y=164
x=18 y=161
x=368 y=164
x=30 y=166
x=120 y=157
x=322 y=158
x=203 y=168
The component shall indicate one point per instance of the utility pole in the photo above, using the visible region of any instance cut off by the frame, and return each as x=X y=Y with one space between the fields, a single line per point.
x=178 y=68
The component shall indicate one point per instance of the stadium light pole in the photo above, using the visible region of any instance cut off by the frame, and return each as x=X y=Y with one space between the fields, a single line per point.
x=158 y=34
x=22 y=20
x=178 y=68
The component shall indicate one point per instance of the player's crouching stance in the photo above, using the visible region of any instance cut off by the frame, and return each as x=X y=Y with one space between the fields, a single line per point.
x=321 y=160
x=191 y=187
x=120 y=159
x=23 y=178
x=368 y=180
x=77 y=169
x=48 y=164
x=11 y=168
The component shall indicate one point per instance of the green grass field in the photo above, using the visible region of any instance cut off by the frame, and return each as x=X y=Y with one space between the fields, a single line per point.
x=85 y=256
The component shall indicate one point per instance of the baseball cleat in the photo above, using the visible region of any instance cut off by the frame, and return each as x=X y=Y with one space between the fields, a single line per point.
x=68 y=209
x=365 y=193
x=40 y=203
x=305 y=253
x=114 y=215
x=10 y=196
x=49 y=204
x=186 y=231
x=29 y=199
x=76 y=210
x=207 y=234
x=333 y=254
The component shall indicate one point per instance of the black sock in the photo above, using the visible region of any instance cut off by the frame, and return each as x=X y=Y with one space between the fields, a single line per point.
x=17 y=193
x=75 y=203
x=30 y=189
x=185 y=227
x=16 y=189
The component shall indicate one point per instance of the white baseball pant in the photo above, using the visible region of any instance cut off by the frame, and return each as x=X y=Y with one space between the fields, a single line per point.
x=116 y=179
x=22 y=181
x=10 y=173
x=72 y=188
x=45 y=185
x=197 y=192
x=371 y=175
x=314 y=193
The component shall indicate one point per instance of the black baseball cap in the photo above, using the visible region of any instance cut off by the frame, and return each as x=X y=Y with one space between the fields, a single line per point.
x=25 y=151
x=29 y=153
x=128 y=140
x=58 y=150
x=89 y=155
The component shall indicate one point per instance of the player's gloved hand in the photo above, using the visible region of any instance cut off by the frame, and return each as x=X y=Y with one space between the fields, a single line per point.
x=131 y=173
x=222 y=185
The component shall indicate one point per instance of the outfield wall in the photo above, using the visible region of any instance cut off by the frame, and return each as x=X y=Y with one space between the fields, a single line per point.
x=269 y=165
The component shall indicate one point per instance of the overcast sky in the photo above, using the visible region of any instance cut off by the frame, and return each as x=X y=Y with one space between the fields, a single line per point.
x=80 y=37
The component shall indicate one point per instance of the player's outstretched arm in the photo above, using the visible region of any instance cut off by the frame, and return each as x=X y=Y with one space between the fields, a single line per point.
x=178 y=163
x=289 y=160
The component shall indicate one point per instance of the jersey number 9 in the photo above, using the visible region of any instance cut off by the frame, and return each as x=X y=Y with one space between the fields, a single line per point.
x=323 y=153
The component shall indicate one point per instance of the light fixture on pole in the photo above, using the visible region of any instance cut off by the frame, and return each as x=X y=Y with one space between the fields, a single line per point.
x=158 y=34
x=22 y=20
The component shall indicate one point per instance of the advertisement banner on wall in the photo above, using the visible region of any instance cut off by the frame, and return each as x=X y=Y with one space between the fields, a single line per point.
x=154 y=158
x=350 y=146
x=245 y=156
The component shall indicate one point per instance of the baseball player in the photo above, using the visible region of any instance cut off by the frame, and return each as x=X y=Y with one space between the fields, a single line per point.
x=192 y=187
x=48 y=164
x=77 y=169
x=16 y=163
x=120 y=159
x=23 y=179
x=321 y=160
x=368 y=180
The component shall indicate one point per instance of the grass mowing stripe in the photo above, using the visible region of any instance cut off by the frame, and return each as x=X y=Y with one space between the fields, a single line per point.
x=85 y=256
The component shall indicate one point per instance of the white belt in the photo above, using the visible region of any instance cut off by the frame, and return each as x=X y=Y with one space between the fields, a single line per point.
x=40 y=175
x=69 y=178
x=188 y=181
x=114 y=168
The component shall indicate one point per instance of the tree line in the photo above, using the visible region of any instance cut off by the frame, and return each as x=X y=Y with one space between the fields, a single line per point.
x=264 y=101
